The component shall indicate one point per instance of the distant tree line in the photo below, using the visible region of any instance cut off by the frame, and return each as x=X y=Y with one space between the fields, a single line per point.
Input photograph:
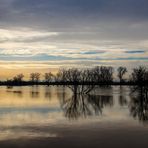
x=96 y=75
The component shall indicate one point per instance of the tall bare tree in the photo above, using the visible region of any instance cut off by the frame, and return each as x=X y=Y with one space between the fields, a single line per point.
x=48 y=77
x=121 y=72
x=103 y=74
x=61 y=76
x=35 y=77
x=76 y=76
x=139 y=75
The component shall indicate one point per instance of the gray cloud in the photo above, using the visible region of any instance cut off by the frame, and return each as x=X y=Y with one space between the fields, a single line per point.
x=76 y=15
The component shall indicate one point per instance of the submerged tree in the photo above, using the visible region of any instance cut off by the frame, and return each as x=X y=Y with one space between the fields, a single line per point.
x=121 y=72
x=84 y=80
x=76 y=79
x=71 y=76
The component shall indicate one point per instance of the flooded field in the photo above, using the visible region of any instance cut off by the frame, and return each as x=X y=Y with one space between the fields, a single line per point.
x=42 y=116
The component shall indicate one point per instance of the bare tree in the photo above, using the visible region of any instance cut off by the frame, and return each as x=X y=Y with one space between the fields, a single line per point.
x=83 y=80
x=121 y=73
x=35 y=77
x=73 y=75
x=97 y=74
x=18 y=78
x=139 y=75
x=106 y=74
x=61 y=76
x=87 y=76
x=48 y=77
x=103 y=74
x=76 y=77
x=32 y=77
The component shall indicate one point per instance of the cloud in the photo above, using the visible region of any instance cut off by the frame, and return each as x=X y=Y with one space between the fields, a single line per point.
x=38 y=57
x=135 y=51
x=78 y=15
x=24 y=35
x=94 y=52
x=76 y=32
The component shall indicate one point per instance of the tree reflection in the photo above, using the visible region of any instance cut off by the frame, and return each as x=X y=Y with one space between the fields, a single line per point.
x=139 y=103
x=47 y=93
x=85 y=105
x=34 y=92
x=122 y=97
x=18 y=92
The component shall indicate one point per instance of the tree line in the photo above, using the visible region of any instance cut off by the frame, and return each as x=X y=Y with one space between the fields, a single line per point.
x=98 y=74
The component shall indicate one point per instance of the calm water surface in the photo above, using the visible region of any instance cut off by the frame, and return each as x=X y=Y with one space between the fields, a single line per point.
x=54 y=117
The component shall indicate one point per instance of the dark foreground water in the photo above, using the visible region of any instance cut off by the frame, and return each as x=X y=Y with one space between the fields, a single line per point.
x=54 y=117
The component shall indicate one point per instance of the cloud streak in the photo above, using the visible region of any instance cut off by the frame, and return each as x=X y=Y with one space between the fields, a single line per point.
x=136 y=51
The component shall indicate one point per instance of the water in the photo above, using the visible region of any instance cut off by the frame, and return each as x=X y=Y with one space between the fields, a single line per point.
x=53 y=116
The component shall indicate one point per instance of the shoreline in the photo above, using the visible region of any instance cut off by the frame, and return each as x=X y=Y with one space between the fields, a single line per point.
x=28 y=83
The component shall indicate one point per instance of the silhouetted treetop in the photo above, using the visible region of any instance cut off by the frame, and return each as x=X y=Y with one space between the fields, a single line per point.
x=121 y=73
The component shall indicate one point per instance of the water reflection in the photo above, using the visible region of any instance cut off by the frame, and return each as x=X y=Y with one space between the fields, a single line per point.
x=18 y=93
x=122 y=97
x=85 y=105
x=43 y=106
x=35 y=92
x=139 y=103
x=48 y=92
x=77 y=106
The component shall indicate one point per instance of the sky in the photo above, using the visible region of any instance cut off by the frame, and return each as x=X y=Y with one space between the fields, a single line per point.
x=43 y=35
